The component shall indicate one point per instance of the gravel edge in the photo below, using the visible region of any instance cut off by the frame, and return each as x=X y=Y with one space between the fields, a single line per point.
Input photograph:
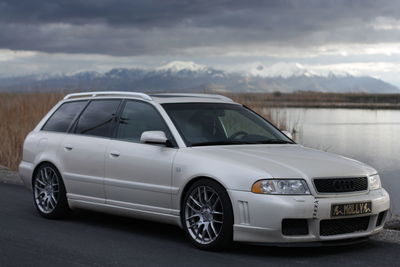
x=388 y=235
x=9 y=177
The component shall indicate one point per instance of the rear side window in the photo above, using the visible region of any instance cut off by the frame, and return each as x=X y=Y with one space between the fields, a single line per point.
x=98 y=118
x=63 y=117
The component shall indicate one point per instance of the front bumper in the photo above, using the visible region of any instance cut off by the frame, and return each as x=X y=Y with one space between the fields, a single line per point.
x=258 y=218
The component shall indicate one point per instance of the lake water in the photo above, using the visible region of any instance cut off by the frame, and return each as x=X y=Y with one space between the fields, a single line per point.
x=370 y=136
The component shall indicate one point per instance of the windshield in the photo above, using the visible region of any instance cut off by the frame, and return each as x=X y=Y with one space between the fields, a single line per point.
x=202 y=124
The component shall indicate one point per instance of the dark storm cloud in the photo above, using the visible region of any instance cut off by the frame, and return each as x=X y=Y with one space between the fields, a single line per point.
x=173 y=27
x=138 y=13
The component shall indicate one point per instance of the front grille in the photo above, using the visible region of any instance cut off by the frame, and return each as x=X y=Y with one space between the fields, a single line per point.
x=294 y=227
x=341 y=185
x=343 y=226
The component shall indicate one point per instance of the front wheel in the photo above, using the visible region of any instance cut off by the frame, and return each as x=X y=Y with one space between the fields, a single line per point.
x=49 y=192
x=207 y=215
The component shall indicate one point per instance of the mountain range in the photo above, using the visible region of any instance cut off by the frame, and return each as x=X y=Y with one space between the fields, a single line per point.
x=179 y=76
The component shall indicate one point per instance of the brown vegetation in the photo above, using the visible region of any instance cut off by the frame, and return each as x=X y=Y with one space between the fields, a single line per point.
x=320 y=100
x=19 y=114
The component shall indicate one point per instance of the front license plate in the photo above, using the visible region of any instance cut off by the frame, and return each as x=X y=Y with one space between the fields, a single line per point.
x=350 y=209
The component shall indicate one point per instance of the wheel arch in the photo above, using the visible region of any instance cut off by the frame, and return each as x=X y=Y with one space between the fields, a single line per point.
x=195 y=179
x=39 y=165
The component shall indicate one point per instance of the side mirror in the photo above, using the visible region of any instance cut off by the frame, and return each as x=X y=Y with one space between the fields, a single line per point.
x=288 y=134
x=153 y=137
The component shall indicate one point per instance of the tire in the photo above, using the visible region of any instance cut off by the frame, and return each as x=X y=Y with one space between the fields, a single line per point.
x=49 y=194
x=207 y=216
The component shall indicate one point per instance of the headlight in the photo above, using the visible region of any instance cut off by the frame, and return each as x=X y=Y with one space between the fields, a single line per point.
x=281 y=187
x=374 y=182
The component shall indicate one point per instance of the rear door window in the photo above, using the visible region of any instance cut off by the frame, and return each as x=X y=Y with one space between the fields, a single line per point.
x=61 y=120
x=98 y=118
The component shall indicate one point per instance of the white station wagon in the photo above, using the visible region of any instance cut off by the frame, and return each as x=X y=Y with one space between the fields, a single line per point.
x=203 y=162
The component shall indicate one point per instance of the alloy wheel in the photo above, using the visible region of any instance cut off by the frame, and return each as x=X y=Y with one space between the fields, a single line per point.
x=204 y=214
x=46 y=190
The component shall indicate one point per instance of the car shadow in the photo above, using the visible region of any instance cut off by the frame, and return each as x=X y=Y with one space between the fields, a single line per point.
x=134 y=226
x=302 y=252
x=171 y=234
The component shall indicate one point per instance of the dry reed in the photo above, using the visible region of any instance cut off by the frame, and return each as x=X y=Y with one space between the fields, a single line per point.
x=19 y=114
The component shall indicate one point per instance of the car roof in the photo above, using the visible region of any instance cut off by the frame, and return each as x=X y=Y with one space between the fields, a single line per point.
x=159 y=98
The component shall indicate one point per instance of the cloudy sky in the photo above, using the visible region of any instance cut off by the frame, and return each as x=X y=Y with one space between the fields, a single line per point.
x=67 y=36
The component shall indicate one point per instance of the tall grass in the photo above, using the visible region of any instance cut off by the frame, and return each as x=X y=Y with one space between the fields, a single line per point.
x=259 y=105
x=19 y=114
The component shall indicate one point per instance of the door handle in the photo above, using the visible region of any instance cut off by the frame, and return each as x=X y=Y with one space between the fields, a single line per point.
x=67 y=147
x=114 y=154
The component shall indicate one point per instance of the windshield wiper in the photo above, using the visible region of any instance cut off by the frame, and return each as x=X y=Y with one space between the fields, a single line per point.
x=273 y=141
x=221 y=143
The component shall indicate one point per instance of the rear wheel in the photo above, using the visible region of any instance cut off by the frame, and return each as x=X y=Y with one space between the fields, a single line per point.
x=207 y=215
x=49 y=192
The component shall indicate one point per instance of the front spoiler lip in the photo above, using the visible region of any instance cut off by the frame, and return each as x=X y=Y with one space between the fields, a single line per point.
x=328 y=243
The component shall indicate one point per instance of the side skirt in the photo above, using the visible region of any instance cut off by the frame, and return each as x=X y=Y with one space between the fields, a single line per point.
x=124 y=211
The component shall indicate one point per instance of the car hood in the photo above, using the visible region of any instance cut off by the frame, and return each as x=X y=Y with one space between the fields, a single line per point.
x=288 y=161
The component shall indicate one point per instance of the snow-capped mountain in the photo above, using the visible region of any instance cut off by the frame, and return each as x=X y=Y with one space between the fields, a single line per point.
x=181 y=76
x=287 y=70
x=282 y=69
x=177 y=66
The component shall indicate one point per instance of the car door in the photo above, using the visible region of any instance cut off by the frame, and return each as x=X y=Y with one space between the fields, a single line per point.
x=138 y=175
x=82 y=152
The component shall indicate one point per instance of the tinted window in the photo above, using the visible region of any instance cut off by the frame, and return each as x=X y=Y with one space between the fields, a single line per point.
x=98 y=118
x=138 y=117
x=234 y=121
x=221 y=124
x=63 y=117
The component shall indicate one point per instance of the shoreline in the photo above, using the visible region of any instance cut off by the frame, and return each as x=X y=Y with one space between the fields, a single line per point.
x=319 y=100
x=332 y=105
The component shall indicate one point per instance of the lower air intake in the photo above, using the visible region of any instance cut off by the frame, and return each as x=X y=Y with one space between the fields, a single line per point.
x=343 y=226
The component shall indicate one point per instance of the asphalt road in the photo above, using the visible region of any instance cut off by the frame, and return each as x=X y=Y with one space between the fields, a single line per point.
x=93 y=239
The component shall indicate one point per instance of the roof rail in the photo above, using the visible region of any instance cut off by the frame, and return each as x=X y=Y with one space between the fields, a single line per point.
x=105 y=93
x=222 y=97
